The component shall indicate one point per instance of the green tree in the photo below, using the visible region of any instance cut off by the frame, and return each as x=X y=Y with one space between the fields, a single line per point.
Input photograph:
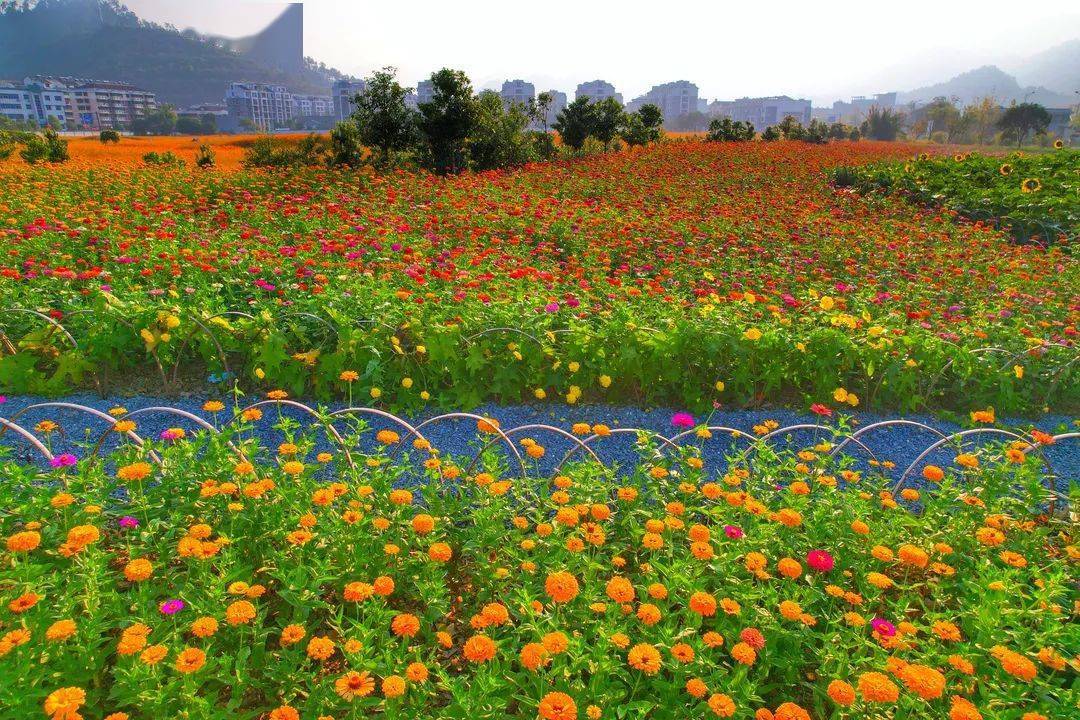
x=384 y=122
x=791 y=128
x=771 y=134
x=346 y=149
x=723 y=129
x=189 y=125
x=159 y=121
x=881 y=124
x=109 y=136
x=538 y=109
x=499 y=139
x=575 y=122
x=1019 y=120
x=982 y=117
x=644 y=126
x=609 y=120
x=942 y=116
x=447 y=121
x=817 y=132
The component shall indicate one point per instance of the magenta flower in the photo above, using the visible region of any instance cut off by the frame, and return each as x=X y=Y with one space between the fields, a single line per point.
x=682 y=420
x=128 y=522
x=171 y=607
x=65 y=460
x=551 y=307
x=820 y=560
x=732 y=531
x=883 y=627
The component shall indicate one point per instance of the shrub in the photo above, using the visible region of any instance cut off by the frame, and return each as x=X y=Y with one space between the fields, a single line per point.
x=47 y=146
x=723 y=129
x=163 y=159
x=109 y=136
x=205 y=158
x=345 y=146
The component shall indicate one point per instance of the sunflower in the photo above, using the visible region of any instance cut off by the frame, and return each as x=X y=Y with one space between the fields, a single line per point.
x=1058 y=144
x=959 y=157
x=1030 y=185
x=1005 y=169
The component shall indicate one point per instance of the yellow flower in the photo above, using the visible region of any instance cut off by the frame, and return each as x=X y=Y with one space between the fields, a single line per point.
x=605 y=381
x=753 y=334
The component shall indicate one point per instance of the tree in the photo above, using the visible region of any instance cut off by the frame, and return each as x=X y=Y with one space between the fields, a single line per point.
x=109 y=136
x=575 y=122
x=384 y=123
x=644 y=126
x=881 y=124
x=345 y=146
x=189 y=125
x=447 y=121
x=159 y=121
x=942 y=116
x=791 y=128
x=609 y=120
x=499 y=139
x=982 y=118
x=771 y=134
x=817 y=132
x=1019 y=120
x=538 y=109
x=722 y=129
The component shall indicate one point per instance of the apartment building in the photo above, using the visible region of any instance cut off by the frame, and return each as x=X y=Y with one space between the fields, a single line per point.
x=764 y=111
x=75 y=102
x=597 y=90
x=266 y=107
x=674 y=99
x=517 y=92
x=343 y=93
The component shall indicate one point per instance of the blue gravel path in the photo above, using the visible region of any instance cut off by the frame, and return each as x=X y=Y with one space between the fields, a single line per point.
x=901 y=445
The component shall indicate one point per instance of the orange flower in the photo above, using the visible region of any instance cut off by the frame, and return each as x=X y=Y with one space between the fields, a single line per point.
x=620 y=590
x=644 y=657
x=534 y=656
x=285 y=712
x=320 y=648
x=440 y=552
x=204 y=627
x=23 y=541
x=841 y=693
x=190 y=659
x=963 y=709
x=924 y=681
x=791 y=711
x=876 y=687
x=240 y=612
x=60 y=630
x=557 y=706
x=703 y=604
x=743 y=653
x=405 y=625
x=479 y=648
x=393 y=686
x=561 y=586
x=721 y=705
x=64 y=704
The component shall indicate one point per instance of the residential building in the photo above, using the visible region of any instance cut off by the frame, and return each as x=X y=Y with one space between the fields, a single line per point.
x=343 y=93
x=597 y=90
x=75 y=102
x=764 y=111
x=675 y=99
x=1059 y=124
x=854 y=112
x=319 y=106
x=425 y=91
x=517 y=91
x=106 y=105
x=265 y=107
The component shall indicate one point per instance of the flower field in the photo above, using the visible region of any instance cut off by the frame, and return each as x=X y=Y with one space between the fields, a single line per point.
x=1033 y=196
x=686 y=273
x=205 y=576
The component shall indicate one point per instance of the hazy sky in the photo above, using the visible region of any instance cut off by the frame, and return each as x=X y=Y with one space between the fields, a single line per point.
x=821 y=50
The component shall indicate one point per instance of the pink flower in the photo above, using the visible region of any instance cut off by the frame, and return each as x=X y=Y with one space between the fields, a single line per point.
x=820 y=560
x=732 y=531
x=682 y=420
x=819 y=409
x=65 y=460
x=883 y=627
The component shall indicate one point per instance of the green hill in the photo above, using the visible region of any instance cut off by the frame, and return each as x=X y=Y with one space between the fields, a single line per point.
x=102 y=39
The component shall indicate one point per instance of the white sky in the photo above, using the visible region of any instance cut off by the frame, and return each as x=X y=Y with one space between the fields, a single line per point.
x=823 y=50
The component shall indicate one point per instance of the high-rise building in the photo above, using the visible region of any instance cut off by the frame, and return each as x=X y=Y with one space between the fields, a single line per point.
x=319 y=106
x=558 y=104
x=597 y=90
x=343 y=93
x=764 y=111
x=855 y=111
x=75 y=102
x=674 y=99
x=265 y=107
x=517 y=91
x=425 y=91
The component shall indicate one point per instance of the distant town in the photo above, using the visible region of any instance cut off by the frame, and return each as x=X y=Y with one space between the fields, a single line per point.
x=85 y=105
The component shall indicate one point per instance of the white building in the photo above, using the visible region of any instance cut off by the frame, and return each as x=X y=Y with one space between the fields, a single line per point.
x=343 y=93
x=75 y=102
x=764 y=111
x=313 y=106
x=517 y=92
x=674 y=99
x=425 y=91
x=855 y=111
x=597 y=90
x=267 y=107
x=17 y=103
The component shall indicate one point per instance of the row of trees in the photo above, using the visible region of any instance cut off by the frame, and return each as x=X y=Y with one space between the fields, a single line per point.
x=46 y=146
x=458 y=130
x=723 y=129
x=981 y=123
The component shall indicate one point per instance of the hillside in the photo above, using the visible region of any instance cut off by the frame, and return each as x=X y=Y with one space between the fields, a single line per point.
x=987 y=81
x=1057 y=68
x=103 y=39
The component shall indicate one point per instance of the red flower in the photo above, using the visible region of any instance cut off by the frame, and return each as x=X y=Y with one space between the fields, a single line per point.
x=819 y=409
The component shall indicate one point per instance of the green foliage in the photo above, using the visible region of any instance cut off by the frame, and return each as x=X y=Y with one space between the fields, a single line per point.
x=609 y=119
x=159 y=121
x=881 y=124
x=1018 y=121
x=771 y=134
x=498 y=139
x=47 y=146
x=817 y=132
x=723 y=129
x=575 y=122
x=385 y=124
x=791 y=129
x=267 y=152
x=643 y=126
x=447 y=122
x=205 y=158
x=205 y=124
x=109 y=136
x=1033 y=196
x=345 y=145
x=164 y=159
